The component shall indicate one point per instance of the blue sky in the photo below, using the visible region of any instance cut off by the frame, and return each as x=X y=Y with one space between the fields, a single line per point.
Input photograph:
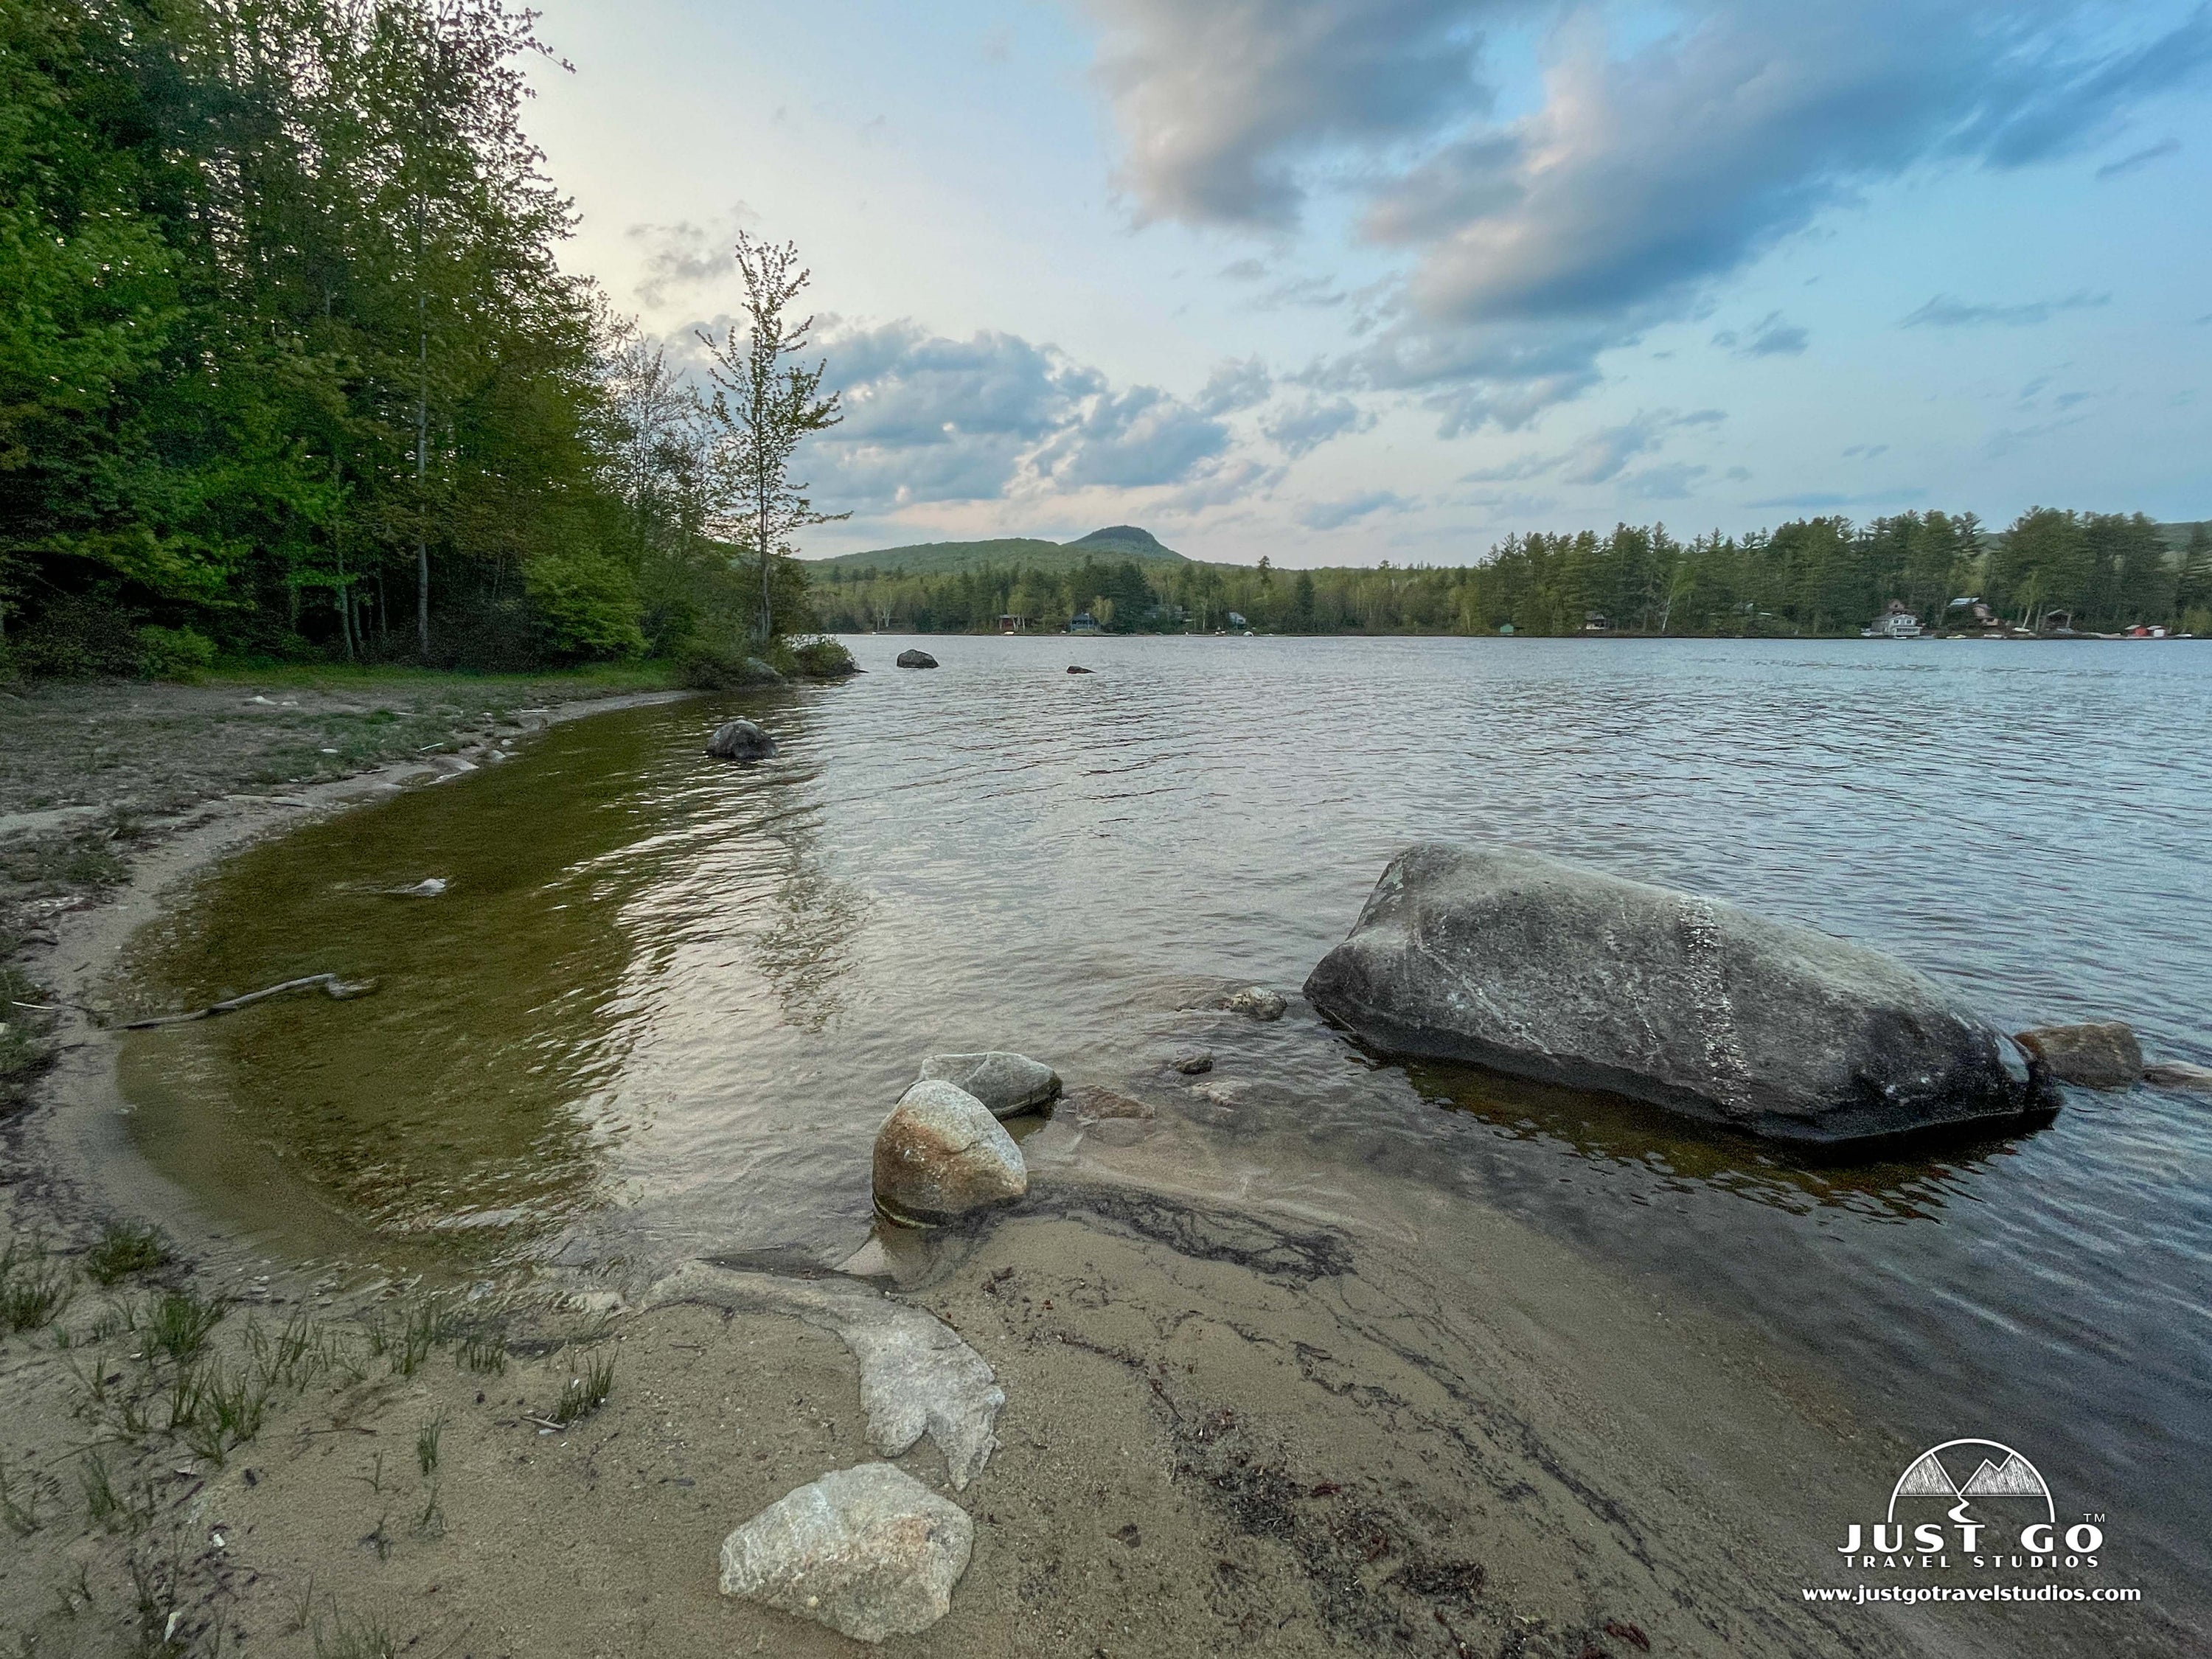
x=1337 y=281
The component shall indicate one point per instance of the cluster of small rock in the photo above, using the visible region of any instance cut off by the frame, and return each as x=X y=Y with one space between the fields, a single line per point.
x=870 y=1551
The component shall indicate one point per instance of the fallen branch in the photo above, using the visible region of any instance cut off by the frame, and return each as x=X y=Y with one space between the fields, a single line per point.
x=338 y=990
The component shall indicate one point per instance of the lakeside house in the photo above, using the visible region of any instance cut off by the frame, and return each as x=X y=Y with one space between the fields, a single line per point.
x=1971 y=612
x=1897 y=622
x=1011 y=623
x=1083 y=623
x=1236 y=620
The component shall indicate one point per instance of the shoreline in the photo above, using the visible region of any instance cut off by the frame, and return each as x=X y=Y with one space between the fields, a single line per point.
x=1442 y=1431
x=67 y=1136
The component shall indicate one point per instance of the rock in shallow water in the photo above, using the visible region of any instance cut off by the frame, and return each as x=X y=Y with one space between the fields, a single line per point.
x=916 y=659
x=869 y=1551
x=740 y=740
x=2179 y=1075
x=1254 y=1002
x=1192 y=1062
x=1530 y=966
x=2097 y=1054
x=1007 y=1084
x=941 y=1155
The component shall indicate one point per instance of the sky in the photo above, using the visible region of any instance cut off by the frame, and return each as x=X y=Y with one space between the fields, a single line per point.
x=1341 y=281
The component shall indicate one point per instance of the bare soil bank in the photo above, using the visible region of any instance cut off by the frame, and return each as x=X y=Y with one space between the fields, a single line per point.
x=1229 y=1428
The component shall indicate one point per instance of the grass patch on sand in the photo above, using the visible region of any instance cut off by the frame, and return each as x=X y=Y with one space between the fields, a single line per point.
x=609 y=679
x=33 y=1287
x=586 y=1391
x=126 y=1250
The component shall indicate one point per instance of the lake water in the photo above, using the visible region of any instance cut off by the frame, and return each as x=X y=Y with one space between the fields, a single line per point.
x=666 y=1002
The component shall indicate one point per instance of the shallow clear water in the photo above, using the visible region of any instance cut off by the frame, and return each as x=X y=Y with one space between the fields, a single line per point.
x=666 y=1002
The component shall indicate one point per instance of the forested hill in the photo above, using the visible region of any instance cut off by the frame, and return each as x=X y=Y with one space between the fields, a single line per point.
x=2089 y=571
x=1116 y=542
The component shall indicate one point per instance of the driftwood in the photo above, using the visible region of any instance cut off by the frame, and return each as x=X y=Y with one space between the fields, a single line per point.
x=338 y=990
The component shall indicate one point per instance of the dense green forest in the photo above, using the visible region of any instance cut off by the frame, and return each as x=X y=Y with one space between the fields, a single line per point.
x=288 y=366
x=2089 y=572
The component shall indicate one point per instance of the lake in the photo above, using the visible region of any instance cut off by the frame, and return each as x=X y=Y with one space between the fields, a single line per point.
x=666 y=1002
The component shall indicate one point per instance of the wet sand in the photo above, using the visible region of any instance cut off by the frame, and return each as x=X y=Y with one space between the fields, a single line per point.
x=1237 y=1420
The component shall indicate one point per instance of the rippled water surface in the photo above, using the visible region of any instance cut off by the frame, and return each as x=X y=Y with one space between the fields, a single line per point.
x=666 y=1002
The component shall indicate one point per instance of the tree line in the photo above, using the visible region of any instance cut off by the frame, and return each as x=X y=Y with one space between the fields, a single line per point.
x=1820 y=576
x=288 y=365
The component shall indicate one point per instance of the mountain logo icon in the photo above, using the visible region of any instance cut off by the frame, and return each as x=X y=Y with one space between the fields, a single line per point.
x=1997 y=1471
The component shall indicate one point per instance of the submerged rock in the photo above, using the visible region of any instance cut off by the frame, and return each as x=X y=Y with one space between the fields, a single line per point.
x=1007 y=1084
x=916 y=659
x=740 y=740
x=1094 y=1105
x=2097 y=1054
x=1192 y=1062
x=917 y=1376
x=1539 y=969
x=1073 y=669
x=869 y=1551
x=941 y=1155
x=2179 y=1075
x=1255 y=1001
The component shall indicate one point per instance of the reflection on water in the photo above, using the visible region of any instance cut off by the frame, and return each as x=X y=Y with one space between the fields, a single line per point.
x=666 y=1002
x=1636 y=1137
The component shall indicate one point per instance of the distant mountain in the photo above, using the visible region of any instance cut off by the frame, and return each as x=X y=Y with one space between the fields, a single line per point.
x=1107 y=546
x=1127 y=540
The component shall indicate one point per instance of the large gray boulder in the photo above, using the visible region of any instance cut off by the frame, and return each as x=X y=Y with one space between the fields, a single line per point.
x=1527 y=965
x=941 y=1155
x=916 y=659
x=740 y=740
x=869 y=1551
x=1007 y=1084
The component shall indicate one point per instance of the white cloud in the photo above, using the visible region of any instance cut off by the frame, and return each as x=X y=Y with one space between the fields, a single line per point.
x=1335 y=515
x=929 y=419
x=1302 y=427
x=1651 y=168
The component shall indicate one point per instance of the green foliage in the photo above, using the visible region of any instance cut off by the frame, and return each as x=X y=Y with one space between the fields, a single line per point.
x=702 y=665
x=816 y=657
x=282 y=328
x=174 y=654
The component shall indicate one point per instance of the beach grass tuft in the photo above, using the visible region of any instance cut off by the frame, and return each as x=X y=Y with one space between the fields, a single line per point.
x=33 y=1288
x=126 y=1250
x=354 y=1638
x=586 y=1391
x=180 y=1323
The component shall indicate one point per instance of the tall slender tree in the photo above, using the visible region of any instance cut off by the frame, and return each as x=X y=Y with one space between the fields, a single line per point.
x=765 y=402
